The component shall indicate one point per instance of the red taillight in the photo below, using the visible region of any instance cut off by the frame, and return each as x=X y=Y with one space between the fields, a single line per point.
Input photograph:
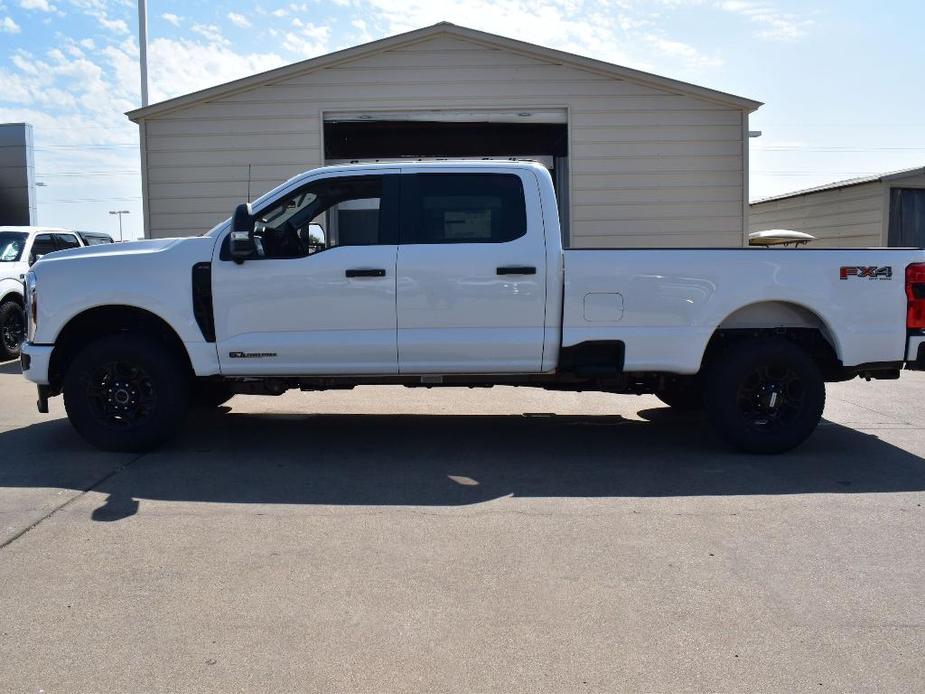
x=915 y=292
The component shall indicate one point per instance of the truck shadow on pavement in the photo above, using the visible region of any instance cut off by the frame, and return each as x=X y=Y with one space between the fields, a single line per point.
x=446 y=460
x=10 y=367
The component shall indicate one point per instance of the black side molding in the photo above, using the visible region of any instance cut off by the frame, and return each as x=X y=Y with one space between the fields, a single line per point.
x=601 y=358
x=202 y=300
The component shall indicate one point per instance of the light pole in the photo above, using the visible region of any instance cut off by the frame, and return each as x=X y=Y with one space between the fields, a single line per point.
x=143 y=49
x=120 y=213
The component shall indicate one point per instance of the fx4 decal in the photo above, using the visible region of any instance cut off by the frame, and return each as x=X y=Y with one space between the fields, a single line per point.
x=871 y=272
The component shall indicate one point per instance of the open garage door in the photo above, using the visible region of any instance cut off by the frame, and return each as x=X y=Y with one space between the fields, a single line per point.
x=542 y=135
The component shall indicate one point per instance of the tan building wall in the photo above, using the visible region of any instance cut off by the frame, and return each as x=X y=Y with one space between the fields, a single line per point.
x=846 y=217
x=648 y=167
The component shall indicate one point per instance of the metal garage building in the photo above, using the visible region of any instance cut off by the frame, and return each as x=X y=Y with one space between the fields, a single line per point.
x=638 y=159
x=883 y=210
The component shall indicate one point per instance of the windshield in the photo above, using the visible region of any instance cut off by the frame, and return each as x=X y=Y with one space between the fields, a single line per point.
x=12 y=244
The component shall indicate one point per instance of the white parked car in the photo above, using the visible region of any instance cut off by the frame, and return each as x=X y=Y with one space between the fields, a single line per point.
x=453 y=274
x=20 y=247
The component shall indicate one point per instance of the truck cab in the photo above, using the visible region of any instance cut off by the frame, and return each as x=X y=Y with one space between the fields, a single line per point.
x=438 y=271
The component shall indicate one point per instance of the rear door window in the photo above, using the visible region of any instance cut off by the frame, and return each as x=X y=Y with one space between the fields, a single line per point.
x=42 y=245
x=65 y=241
x=463 y=208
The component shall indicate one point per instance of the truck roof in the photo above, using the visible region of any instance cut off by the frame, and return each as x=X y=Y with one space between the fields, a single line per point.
x=430 y=164
x=34 y=229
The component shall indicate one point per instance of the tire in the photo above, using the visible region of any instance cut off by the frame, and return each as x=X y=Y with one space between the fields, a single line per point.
x=126 y=393
x=683 y=395
x=207 y=395
x=12 y=329
x=764 y=396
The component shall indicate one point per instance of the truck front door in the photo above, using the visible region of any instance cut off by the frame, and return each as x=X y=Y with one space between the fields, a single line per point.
x=318 y=294
x=471 y=273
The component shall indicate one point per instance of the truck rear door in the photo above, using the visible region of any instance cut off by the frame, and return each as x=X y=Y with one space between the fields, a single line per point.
x=471 y=272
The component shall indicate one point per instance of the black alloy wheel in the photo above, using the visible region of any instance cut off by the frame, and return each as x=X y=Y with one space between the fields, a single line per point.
x=121 y=394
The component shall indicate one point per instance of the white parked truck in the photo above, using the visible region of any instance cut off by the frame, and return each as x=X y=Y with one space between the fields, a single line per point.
x=453 y=274
x=20 y=247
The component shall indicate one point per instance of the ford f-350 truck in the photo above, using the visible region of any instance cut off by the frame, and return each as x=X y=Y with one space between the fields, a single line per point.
x=453 y=274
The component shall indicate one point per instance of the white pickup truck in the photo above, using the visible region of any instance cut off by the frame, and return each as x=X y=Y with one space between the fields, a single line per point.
x=453 y=274
x=20 y=247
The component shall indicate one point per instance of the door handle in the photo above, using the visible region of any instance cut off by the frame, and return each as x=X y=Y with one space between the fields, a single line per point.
x=517 y=270
x=365 y=272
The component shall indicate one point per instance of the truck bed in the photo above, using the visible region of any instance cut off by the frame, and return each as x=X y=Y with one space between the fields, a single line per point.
x=666 y=304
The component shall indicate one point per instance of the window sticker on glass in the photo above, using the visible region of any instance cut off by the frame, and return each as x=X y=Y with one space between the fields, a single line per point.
x=467 y=225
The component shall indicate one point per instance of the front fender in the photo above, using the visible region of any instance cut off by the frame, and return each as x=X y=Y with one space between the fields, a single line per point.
x=154 y=278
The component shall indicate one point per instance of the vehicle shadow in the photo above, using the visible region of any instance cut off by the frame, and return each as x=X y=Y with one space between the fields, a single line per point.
x=445 y=460
x=11 y=367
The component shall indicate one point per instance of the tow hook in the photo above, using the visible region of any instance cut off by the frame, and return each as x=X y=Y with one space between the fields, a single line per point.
x=42 y=402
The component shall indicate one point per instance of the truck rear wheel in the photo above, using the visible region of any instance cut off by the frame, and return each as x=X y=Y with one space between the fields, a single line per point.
x=126 y=393
x=764 y=396
x=12 y=329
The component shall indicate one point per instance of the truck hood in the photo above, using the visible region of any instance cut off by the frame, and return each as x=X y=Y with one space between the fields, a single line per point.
x=129 y=249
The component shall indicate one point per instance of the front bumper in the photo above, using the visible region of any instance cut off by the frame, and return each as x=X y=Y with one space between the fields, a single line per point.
x=35 y=360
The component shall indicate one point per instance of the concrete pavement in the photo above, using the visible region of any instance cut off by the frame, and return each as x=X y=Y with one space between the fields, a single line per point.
x=464 y=540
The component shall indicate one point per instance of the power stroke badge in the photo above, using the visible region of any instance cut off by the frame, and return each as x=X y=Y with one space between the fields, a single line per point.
x=251 y=355
x=871 y=272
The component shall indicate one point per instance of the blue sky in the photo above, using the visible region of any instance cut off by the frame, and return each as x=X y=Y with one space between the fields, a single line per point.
x=840 y=79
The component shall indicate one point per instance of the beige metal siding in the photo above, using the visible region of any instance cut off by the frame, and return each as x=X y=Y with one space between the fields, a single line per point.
x=648 y=168
x=842 y=217
x=908 y=182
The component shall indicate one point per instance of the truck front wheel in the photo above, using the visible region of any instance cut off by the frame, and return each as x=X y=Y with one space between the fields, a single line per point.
x=764 y=396
x=126 y=393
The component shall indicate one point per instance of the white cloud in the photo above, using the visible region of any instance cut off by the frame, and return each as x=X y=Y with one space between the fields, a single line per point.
x=363 y=33
x=8 y=26
x=115 y=25
x=586 y=27
x=777 y=25
x=239 y=20
x=308 y=41
x=211 y=33
x=181 y=66
x=689 y=54
x=171 y=18
x=41 y=5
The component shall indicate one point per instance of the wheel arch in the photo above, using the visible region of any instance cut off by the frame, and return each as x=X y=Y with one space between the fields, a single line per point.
x=790 y=319
x=101 y=321
x=13 y=295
